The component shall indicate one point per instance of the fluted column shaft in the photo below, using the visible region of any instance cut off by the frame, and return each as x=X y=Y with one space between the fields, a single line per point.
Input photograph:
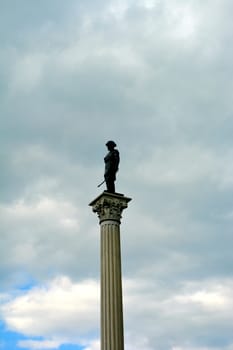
x=109 y=208
x=112 y=336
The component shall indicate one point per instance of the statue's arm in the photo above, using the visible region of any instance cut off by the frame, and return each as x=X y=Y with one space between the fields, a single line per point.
x=116 y=160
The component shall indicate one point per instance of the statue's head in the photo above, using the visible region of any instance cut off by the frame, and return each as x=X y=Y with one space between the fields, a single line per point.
x=110 y=145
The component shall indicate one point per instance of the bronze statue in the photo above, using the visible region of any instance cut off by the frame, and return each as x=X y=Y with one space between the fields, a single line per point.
x=111 y=160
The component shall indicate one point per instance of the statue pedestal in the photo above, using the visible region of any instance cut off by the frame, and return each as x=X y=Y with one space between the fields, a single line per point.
x=109 y=207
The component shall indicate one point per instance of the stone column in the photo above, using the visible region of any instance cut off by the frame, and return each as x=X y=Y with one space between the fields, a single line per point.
x=109 y=207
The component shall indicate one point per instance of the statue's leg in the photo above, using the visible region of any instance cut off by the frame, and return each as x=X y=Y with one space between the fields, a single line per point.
x=110 y=185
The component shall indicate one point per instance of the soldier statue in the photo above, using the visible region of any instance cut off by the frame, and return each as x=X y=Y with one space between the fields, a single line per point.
x=111 y=160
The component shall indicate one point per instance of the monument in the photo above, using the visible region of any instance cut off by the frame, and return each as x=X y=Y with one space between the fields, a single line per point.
x=109 y=207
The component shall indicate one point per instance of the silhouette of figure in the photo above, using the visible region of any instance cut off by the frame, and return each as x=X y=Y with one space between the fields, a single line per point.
x=111 y=160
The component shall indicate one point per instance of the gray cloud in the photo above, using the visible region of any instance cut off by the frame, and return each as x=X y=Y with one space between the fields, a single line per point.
x=154 y=76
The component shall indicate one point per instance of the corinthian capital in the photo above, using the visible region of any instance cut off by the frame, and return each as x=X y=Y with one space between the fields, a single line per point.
x=109 y=206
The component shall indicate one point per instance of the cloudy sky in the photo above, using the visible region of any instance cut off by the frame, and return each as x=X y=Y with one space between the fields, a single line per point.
x=156 y=77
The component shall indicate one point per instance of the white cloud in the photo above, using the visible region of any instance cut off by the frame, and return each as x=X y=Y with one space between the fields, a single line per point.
x=50 y=310
x=39 y=345
x=94 y=345
x=60 y=212
x=209 y=300
x=55 y=344
x=183 y=20
x=190 y=347
x=180 y=313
